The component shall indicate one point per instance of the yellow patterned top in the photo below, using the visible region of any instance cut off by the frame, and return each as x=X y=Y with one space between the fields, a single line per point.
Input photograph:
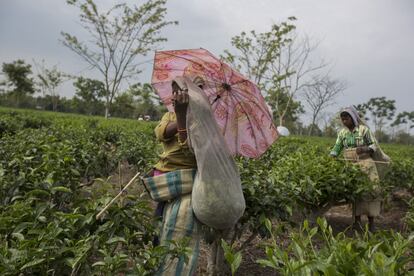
x=176 y=155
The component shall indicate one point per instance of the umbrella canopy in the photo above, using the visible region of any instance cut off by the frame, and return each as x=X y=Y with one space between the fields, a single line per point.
x=239 y=108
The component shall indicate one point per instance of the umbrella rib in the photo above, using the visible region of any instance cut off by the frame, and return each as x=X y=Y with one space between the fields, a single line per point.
x=228 y=116
x=236 y=130
x=248 y=118
x=220 y=81
x=233 y=96
x=265 y=111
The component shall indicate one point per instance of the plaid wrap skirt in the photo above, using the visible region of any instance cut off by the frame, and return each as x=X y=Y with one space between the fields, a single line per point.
x=174 y=188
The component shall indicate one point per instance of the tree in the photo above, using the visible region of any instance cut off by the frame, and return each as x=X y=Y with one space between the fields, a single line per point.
x=256 y=52
x=18 y=82
x=314 y=130
x=117 y=38
x=404 y=138
x=48 y=81
x=405 y=118
x=277 y=61
x=332 y=124
x=281 y=103
x=123 y=106
x=254 y=55
x=147 y=101
x=319 y=95
x=292 y=72
x=380 y=110
x=89 y=95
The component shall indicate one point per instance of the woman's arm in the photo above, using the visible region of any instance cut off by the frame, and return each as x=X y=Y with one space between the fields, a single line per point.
x=336 y=150
x=170 y=130
x=370 y=143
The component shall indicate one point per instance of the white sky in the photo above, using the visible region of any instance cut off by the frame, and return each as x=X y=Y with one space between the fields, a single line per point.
x=369 y=42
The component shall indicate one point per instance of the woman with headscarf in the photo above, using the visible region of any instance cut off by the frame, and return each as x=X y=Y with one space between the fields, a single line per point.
x=360 y=146
x=172 y=180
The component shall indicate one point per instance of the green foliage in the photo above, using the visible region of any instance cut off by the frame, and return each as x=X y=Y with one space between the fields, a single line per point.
x=17 y=76
x=256 y=55
x=37 y=238
x=404 y=118
x=47 y=221
x=89 y=95
x=401 y=174
x=137 y=100
x=147 y=100
x=297 y=173
x=256 y=52
x=123 y=105
x=380 y=110
x=279 y=100
x=48 y=81
x=317 y=251
x=409 y=217
x=407 y=119
x=232 y=257
x=18 y=82
x=403 y=138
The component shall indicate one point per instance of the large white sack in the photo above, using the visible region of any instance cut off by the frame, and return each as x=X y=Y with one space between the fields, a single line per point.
x=217 y=196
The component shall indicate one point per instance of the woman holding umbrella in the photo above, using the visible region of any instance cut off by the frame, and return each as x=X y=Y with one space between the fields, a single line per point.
x=359 y=146
x=171 y=184
x=242 y=126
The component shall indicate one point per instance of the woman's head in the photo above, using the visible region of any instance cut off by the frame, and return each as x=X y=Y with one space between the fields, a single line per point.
x=199 y=81
x=347 y=120
x=175 y=87
x=352 y=112
x=179 y=83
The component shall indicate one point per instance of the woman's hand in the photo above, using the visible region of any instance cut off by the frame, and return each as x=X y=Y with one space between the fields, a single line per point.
x=363 y=149
x=180 y=102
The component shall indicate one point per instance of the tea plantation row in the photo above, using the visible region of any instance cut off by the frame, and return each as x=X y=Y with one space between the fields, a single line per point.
x=47 y=221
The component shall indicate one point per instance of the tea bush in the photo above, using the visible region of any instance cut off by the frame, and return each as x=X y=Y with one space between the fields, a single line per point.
x=317 y=251
x=47 y=223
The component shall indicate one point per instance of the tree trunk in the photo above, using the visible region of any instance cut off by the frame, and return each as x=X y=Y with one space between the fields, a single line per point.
x=311 y=126
x=54 y=103
x=281 y=120
x=106 y=111
x=310 y=130
x=17 y=99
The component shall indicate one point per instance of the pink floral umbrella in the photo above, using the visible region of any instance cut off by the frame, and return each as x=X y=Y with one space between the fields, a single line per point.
x=239 y=107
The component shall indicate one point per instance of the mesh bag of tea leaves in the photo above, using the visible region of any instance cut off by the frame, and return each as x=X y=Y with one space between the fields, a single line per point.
x=217 y=196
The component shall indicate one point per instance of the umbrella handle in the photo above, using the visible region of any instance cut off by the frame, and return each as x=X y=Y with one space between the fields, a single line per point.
x=117 y=196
